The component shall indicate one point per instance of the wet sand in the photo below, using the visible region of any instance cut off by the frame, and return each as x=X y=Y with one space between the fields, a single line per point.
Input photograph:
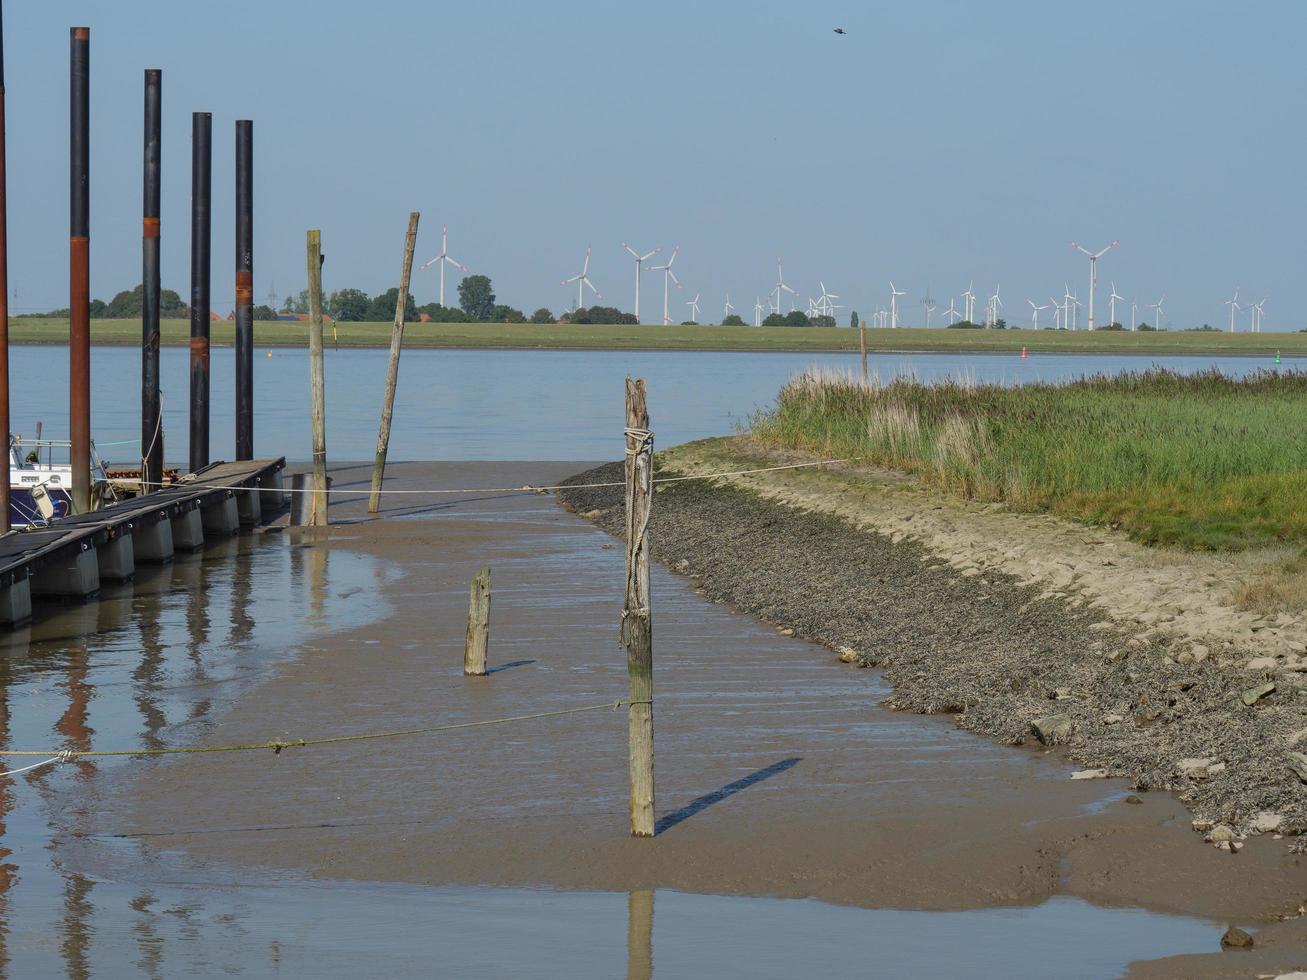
x=778 y=772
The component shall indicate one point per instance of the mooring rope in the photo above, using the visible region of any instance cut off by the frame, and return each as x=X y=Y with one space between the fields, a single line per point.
x=276 y=745
x=531 y=488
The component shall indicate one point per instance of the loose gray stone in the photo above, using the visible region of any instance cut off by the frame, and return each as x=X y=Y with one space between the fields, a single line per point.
x=1255 y=694
x=1236 y=938
x=1052 y=729
x=1298 y=763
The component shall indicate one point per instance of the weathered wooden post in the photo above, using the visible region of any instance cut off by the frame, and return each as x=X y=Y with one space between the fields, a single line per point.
x=637 y=620
x=862 y=342
x=478 y=625
x=317 y=392
x=392 y=375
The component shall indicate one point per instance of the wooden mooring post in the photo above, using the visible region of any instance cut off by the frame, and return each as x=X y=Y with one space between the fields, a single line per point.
x=392 y=374
x=317 y=393
x=478 y=625
x=637 y=620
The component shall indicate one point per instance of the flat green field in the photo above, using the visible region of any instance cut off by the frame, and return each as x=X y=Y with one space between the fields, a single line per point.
x=651 y=337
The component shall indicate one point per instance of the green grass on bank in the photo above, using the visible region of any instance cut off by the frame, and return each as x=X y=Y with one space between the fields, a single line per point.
x=1202 y=462
x=28 y=330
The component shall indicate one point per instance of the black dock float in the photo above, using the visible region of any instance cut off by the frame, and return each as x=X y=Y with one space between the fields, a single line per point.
x=72 y=555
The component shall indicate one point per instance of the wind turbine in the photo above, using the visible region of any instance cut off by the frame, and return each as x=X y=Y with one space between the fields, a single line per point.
x=1057 y=314
x=757 y=312
x=995 y=304
x=1134 y=314
x=1157 y=309
x=928 y=302
x=824 y=305
x=1234 y=307
x=969 y=302
x=693 y=304
x=1093 y=273
x=582 y=279
x=951 y=314
x=894 y=295
x=1258 y=312
x=668 y=274
x=1112 y=305
x=780 y=287
x=639 y=261
x=444 y=259
x=727 y=312
x=1036 y=310
x=1066 y=307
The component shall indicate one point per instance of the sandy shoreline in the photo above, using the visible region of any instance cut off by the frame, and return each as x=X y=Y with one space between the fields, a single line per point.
x=778 y=772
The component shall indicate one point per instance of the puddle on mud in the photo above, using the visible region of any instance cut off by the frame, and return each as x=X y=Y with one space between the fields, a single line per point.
x=150 y=663
x=350 y=930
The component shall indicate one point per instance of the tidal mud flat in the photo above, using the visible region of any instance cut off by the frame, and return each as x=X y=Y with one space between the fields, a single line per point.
x=779 y=772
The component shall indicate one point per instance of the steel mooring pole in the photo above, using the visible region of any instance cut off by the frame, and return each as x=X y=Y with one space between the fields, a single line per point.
x=151 y=417
x=201 y=238
x=244 y=289
x=4 y=292
x=79 y=255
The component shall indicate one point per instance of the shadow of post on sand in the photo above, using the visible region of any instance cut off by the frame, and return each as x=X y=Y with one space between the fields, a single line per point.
x=670 y=820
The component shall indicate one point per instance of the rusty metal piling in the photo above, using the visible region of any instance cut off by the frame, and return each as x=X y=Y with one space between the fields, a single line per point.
x=201 y=240
x=79 y=254
x=151 y=416
x=244 y=289
x=4 y=290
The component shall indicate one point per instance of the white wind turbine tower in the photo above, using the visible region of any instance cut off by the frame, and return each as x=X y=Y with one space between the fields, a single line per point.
x=1093 y=273
x=1234 y=307
x=780 y=288
x=969 y=302
x=1134 y=314
x=995 y=304
x=727 y=311
x=1067 y=299
x=693 y=304
x=1258 y=312
x=444 y=259
x=824 y=305
x=639 y=262
x=668 y=275
x=1112 y=305
x=1157 y=310
x=1035 y=309
x=1076 y=307
x=894 y=295
x=582 y=279
x=1057 y=314
x=928 y=302
x=952 y=312
x=757 y=312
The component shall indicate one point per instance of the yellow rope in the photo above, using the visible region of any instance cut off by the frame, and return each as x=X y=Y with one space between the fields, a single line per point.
x=276 y=745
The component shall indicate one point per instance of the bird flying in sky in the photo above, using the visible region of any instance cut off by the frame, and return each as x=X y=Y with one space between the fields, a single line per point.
x=839 y=30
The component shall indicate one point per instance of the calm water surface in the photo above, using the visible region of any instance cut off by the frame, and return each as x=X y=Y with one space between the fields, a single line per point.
x=476 y=404
x=154 y=662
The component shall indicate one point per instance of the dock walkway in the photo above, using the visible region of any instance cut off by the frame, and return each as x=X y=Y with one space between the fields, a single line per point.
x=70 y=557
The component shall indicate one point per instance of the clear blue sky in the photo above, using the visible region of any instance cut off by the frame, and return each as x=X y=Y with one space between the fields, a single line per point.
x=937 y=142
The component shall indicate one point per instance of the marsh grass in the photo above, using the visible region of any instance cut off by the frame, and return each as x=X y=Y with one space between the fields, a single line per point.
x=1201 y=461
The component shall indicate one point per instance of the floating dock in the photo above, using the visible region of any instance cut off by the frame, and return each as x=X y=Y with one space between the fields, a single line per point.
x=69 y=558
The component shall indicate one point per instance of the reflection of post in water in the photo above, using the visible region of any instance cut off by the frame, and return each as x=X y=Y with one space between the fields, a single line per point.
x=639 y=935
x=318 y=578
x=72 y=724
x=148 y=940
x=148 y=677
x=76 y=928
x=8 y=870
x=242 y=624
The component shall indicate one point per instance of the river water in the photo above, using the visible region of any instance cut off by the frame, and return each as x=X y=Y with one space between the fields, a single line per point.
x=155 y=662
x=479 y=404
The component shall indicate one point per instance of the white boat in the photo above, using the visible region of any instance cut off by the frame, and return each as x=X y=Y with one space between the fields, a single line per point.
x=41 y=481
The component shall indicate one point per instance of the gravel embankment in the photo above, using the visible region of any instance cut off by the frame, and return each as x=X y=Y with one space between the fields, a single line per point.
x=991 y=652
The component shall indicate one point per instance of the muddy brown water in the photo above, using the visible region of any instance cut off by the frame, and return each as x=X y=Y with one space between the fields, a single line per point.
x=802 y=826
